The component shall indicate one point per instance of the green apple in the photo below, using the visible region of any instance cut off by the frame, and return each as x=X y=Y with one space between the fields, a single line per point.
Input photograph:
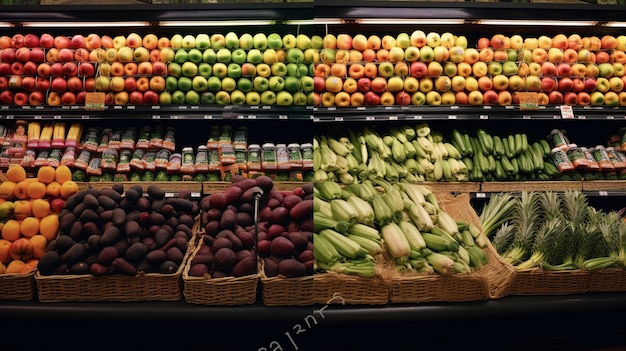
x=254 y=56
x=279 y=69
x=260 y=84
x=292 y=69
x=218 y=41
x=303 y=42
x=311 y=70
x=289 y=41
x=418 y=98
x=205 y=69
x=203 y=41
x=253 y=98
x=284 y=98
x=310 y=98
x=234 y=70
x=245 y=84
x=207 y=98
x=259 y=41
x=239 y=56
x=246 y=41
x=220 y=69
x=300 y=98
x=274 y=41
x=181 y=56
x=223 y=55
x=270 y=56
x=189 y=69
x=237 y=97
x=317 y=42
x=209 y=56
x=192 y=97
x=294 y=55
x=178 y=97
x=165 y=98
x=176 y=41
x=292 y=84
x=199 y=83
x=189 y=41
x=307 y=83
x=232 y=40
x=222 y=97
x=194 y=55
x=171 y=83
x=276 y=83
x=268 y=97
x=229 y=84
x=214 y=84
x=184 y=83
x=303 y=70
x=174 y=69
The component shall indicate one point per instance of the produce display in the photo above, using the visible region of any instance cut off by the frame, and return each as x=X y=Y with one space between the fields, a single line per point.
x=29 y=215
x=415 y=153
x=121 y=231
x=419 y=68
x=283 y=232
x=358 y=225
x=553 y=231
x=217 y=68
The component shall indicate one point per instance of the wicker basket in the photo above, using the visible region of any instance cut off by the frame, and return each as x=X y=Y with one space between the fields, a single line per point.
x=604 y=185
x=453 y=187
x=607 y=280
x=219 y=291
x=17 y=286
x=531 y=186
x=86 y=287
x=174 y=187
x=415 y=288
x=540 y=282
x=281 y=291
x=334 y=287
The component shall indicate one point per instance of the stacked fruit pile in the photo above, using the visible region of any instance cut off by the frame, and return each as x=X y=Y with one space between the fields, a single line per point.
x=181 y=69
x=436 y=69
x=29 y=214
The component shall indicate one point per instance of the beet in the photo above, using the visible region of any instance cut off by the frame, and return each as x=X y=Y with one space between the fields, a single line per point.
x=291 y=268
x=220 y=243
x=299 y=240
x=275 y=230
x=224 y=259
x=198 y=270
x=279 y=215
x=282 y=247
x=263 y=248
x=270 y=267
x=289 y=201
x=218 y=200
x=245 y=266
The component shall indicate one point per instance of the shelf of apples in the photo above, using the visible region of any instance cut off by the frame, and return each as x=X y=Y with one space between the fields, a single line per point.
x=131 y=69
x=442 y=69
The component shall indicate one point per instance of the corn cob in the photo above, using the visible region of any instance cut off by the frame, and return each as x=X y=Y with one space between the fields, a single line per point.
x=395 y=241
x=409 y=149
x=376 y=165
x=328 y=190
x=439 y=243
x=447 y=223
x=425 y=145
x=413 y=192
x=324 y=250
x=412 y=234
x=477 y=256
x=382 y=212
x=345 y=178
x=419 y=150
x=322 y=221
x=458 y=143
x=400 y=168
x=328 y=157
x=363 y=208
x=398 y=152
x=356 y=150
x=337 y=147
x=422 y=129
x=323 y=206
x=343 y=211
x=442 y=264
x=317 y=155
x=366 y=231
x=345 y=246
x=372 y=247
x=418 y=216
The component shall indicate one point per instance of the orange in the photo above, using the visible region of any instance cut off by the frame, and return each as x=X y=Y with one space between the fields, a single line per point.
x=41 y=207
x=3 y=268
x=29 y=227
x=49 y=226
x=16 y=173
x=29 y=266
x=15 y=266
x=36 y=190
x=7 y=190
x=11 y=230
x=53 y=189
x=21 y=189
x=23 y=209
x=46 y=174
x=40 y=243
x=68 y=188
x=63 y=174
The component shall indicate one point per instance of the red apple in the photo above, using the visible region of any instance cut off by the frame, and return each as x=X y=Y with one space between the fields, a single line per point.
x=31 y=40
x=74 y=84
x=66 y=55
x=364 y=84
x=403 y=98
x=6 y=97
x=37 y=55
x=59 y=84
x=4 y=83
x=150 y=97
x=22 y=54
x=29 y=83
x=319 y=84
x=418 y=69
x=555 y=97
x=20 y=98
x=372 y=99
x=590 y=86
x=81 y=96
x=46 y=41
x=130 y=84
x=30 y=68
x=136 y=98
x=57 y=205
x=17 y=68
x=78 y=41
x=43 y=84
x=36 y=98
x=548 y=84
x=159 y=68
x=5 y=68
x=70 y=69
x=56 y=69
x=18 y=40
x=68 y=98
x=86 y=69
x=62 y=42
x=570 y=98
x=584 y=98
x=490 y=97
x=565 y=84
x=7 y=55
x=578 y=84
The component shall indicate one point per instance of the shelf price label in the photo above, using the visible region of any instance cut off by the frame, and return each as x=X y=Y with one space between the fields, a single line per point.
x=37 y=116
x=603 y=193
x=94 y=101
x=282 y=116
x=481 y=195
x=10 y=117
x=451 y=116
x=484 y=116
x=370 y=118
x=208 y=117
x=526 y=117
x=339 y=119
x=610 y=117
x=566 y=112
x=582 y=117
x=56 y=117
x=156 y=116
x=393 y=118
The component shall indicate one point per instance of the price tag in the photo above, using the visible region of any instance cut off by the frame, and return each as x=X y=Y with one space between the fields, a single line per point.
x=169 y=194
x=454 y=107
x=610 y=117
x=195 y=194
x=240 y=116
x=484 y=116
x=360 y=108
x=208 y=117
x=266 y=107
x=566 y=111
x=156 y=116
x=10 y=116
x=38 y=107
x=525 y=117
x=74 y=107
x=603 y=193
x=282 y=117
x=37 y=117
x=451 y=116
x=94 y=101
x=156 y=107
x=393 y=118
x=528 y=100
x=117 y=107
x=332 y=108
x=481 y=195
x=84 y=117
x=56 y=117
x=509 y=107
x=370 y=118
x=582 y=117
x=486 y=107
x=26 y=107
x=195 y=107
x=251 y=116
x=417 y=117
x=173 y=117
x=183 y=107
x=130 y=107
x=339 y=119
